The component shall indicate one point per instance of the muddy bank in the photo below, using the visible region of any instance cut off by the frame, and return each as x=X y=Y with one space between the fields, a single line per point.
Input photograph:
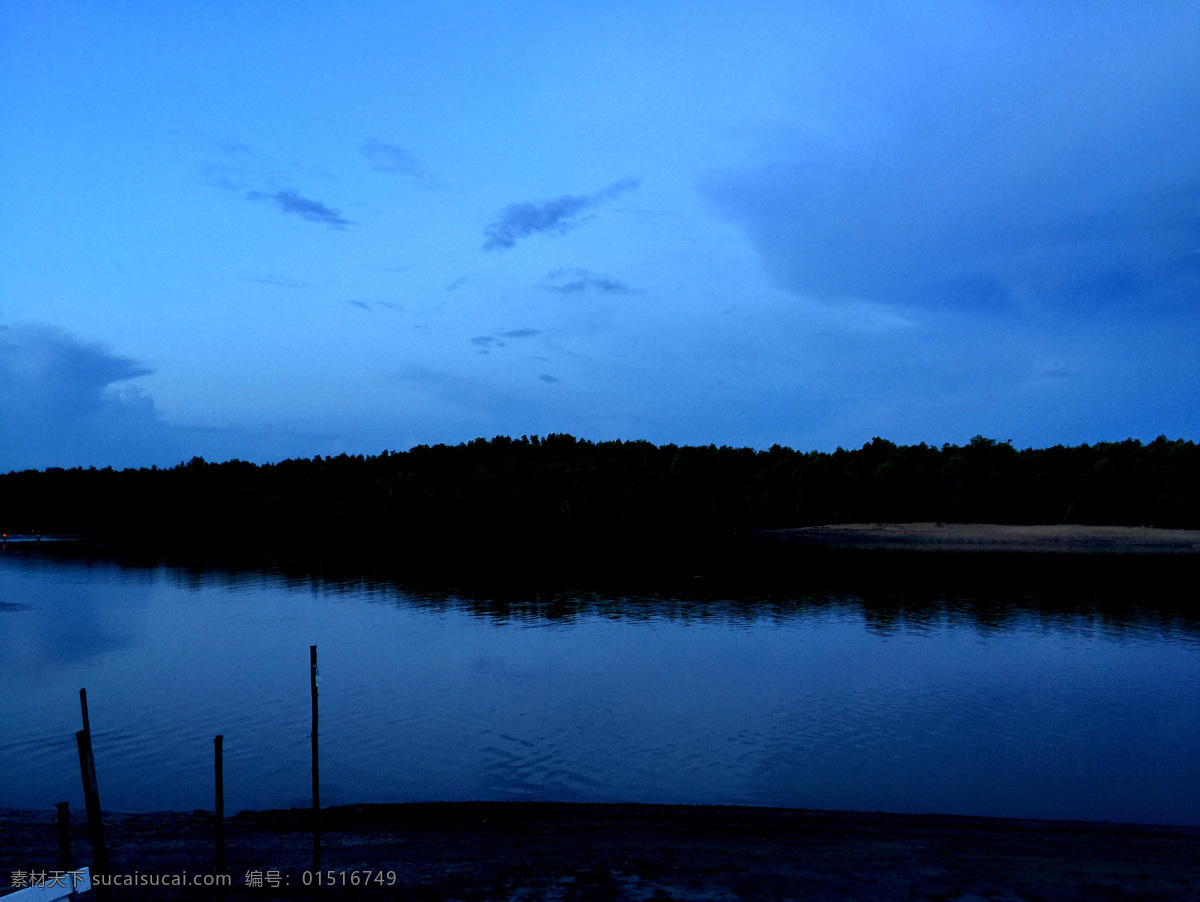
x=995 y=538
x=478 y=851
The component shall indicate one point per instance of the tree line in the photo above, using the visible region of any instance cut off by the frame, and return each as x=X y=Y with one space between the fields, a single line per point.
x=553 y=494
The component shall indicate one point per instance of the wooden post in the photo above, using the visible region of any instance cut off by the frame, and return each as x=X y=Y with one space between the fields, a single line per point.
x=64 y=835
x=219 y=812
x=91 y=796
x=83 y=704
x=316 y=779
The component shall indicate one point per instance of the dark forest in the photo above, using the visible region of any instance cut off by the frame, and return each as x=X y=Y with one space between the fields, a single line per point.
x=559 y=495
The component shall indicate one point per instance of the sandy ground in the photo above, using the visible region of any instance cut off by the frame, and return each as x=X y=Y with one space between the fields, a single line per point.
x=552 y=851
x=1065 y=538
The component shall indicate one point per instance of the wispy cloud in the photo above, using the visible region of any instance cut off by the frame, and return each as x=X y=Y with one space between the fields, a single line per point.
x=373 y=306
x=546 y=377
x=552 y=217
x=393 y=160
x=277 y=281
x=304 y=207
x=577 y=281
x=239 y=169
x=488 y=405
x=497 y=340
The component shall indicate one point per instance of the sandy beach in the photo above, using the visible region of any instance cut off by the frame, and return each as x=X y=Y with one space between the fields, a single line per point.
x=990 y=537
x=531 y=850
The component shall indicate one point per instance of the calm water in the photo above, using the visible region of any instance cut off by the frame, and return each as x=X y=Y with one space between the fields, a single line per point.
x=819 y=700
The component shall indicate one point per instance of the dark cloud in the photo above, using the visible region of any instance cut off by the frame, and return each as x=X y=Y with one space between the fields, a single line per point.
x=489 y=341
x=63 y=402
x=552 y=217
x=576 y=281
x=361 y=305
x=41 y=364
x=67 y=402
x=495 y=341
x=548 y=378
x=1039 y=160
x=305 y=208
x=397 y=161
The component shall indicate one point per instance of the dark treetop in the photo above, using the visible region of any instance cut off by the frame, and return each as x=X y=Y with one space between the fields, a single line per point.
x=560 y=495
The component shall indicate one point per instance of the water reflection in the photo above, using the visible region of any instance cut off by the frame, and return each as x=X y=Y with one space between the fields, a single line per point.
x=80 y=625
x=1039 y=693
x=1132 y=596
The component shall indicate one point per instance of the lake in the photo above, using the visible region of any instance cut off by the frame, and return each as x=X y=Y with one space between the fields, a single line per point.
x=993 y=701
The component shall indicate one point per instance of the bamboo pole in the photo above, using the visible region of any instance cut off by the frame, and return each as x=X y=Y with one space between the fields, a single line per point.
x=316 y=779
x=91 y=796
x=64 y=835
x=219 y=808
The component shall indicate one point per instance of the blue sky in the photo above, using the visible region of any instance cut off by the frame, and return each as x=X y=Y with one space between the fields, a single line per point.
x=265 y=230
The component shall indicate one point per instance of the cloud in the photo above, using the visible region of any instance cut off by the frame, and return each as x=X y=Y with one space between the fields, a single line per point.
x=487 y=342
x=473 y=406
x=577 y=281
x=41 y=364
x=548 y=378
x=395 y=160
x=67 y=402
x=552 y=217
x=239 y=168
x=305 y=208
x=991 y=158
x=373 y=306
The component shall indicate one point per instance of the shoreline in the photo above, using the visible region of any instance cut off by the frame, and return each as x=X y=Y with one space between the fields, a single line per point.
x=552 y=850
x=992 y=538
